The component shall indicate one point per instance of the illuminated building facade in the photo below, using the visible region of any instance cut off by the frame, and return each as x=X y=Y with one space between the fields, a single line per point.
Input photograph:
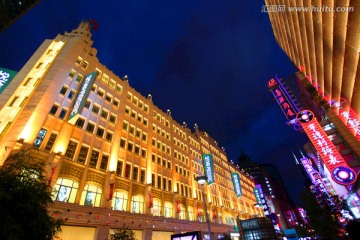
x=276 y=201
x=114 y=158
x=11 y=10
x=322 y=39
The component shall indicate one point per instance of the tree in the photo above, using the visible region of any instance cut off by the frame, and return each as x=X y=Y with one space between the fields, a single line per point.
x=24 y=199
x=321 y=218
x=123 y=234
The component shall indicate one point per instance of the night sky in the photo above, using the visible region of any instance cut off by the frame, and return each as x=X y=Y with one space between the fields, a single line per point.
x=207 y=61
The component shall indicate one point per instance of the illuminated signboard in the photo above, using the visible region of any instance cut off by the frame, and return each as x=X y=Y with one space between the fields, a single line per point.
x=6 y=76
x=250 y=224
x=257 y=194
x=236 y=181
x=80 y=99
x=338 y=167
x=350 y=118
x=283 y=99
x=208 y=167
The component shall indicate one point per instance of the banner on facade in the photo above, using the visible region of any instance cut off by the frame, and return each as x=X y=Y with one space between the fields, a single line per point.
x=236 y=181
x=208 y=168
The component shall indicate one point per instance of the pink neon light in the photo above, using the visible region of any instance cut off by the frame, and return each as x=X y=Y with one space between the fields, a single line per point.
x=327 y=150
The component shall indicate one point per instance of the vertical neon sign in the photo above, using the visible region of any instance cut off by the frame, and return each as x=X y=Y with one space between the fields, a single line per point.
x=338 y=167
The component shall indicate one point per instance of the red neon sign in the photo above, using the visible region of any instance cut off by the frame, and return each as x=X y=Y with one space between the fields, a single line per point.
x=338 y=167
x=349 y=117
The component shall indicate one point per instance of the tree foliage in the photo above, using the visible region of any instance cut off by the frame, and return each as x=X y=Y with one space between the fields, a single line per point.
x=24 y=199
x=321 y=219
x=123 y=234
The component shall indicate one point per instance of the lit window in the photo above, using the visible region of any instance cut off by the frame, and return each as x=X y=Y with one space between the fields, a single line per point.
x=65 y=190
x=120 y=201
x=168 y=208
x=79 y=78
x=91 y=196
x=137 y=204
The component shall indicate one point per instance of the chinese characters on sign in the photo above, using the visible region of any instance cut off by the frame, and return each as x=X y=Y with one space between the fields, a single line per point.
x=338 y=167
x=284 y=102
x=6 y=76
x=349 y=117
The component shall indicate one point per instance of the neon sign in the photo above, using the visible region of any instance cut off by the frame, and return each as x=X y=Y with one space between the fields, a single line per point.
x=349 y=117
x=208 y=166
x=236 y=181
x=84 y=91
x=338 y=167
x=282 y=98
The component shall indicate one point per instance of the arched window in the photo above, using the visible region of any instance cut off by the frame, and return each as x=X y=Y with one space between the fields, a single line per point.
x=191 y=213
x=65 y=190
x=182 y=214
x=137 y=204
x=168 y=208
x=156 y=209
x=91 y=196
x=120 y=201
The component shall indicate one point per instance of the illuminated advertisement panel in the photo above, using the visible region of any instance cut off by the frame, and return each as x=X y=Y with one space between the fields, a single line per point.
x=257 y=194
x=338 y=167
x=282 y=98
x=80 y=99
x=349 y=117
x=208 y=168
x=6 y=76
x=236 y=181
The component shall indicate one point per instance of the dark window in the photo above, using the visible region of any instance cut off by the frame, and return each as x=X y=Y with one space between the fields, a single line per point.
x=119 y=168
x=94 y=158
x=127 y=170
x=54 y=109
x=80 y=122
x=87 y=104
x=71 y=94
x=142 y=176
x=104 y=162
x=70 y=151
x=122 y=143
x=135 y=173
x=50 y=142
x=104 y=113
x=63 y=90
x=63 y=113
x=153 y=180
x=112 y=118
x=90 y=127
x=109 y=136
x=100 y=132
x=159 y=182
x=95 y=109
x=83 y=154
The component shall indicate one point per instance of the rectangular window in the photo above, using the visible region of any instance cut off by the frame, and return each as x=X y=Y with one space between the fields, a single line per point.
x=112 y=118
x=137 y=150
x=169 y=185
x=125 y=126
x=127 y=170
x=159 y=182
x=153 y=158
x=13 y=101
x=135 y=173
x=72 y=73
x=79 y=78
x=94 y=158
x=112 y=83
x=164 y=183
x=95 y=109
x=104 y=113
x=143 y=153
x=153 y=179
x=27 y=81
x=62 y=114
x=123 y=143
x=78 y=60
x=70 y=151
x=119 y=168
x=116 y=102
x=54 y=109
x=90 y=127
x=50 y=142
x=109 y=136
x=83 y=154
x=64 y=89
x=142 y=176
x=71 y=94
x=85 y=65
x=80 y=122
x=118 y=88
x=100 y=92
x=100 y=132
x=104 y=162
x=130 y=146
x=87 y=104
x=108 y=98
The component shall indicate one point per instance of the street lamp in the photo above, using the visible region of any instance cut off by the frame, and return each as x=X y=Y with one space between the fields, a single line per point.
x=202 y=180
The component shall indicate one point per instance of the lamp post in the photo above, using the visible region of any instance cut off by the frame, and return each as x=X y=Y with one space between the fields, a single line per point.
x=202 y=180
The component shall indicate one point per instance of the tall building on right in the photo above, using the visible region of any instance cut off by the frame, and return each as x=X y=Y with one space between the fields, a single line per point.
x=322 y=38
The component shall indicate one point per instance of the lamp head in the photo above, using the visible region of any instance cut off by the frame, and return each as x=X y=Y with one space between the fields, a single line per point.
x=201 y=179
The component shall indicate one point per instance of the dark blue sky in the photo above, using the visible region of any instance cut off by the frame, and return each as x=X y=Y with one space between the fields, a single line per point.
x=206 y=61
